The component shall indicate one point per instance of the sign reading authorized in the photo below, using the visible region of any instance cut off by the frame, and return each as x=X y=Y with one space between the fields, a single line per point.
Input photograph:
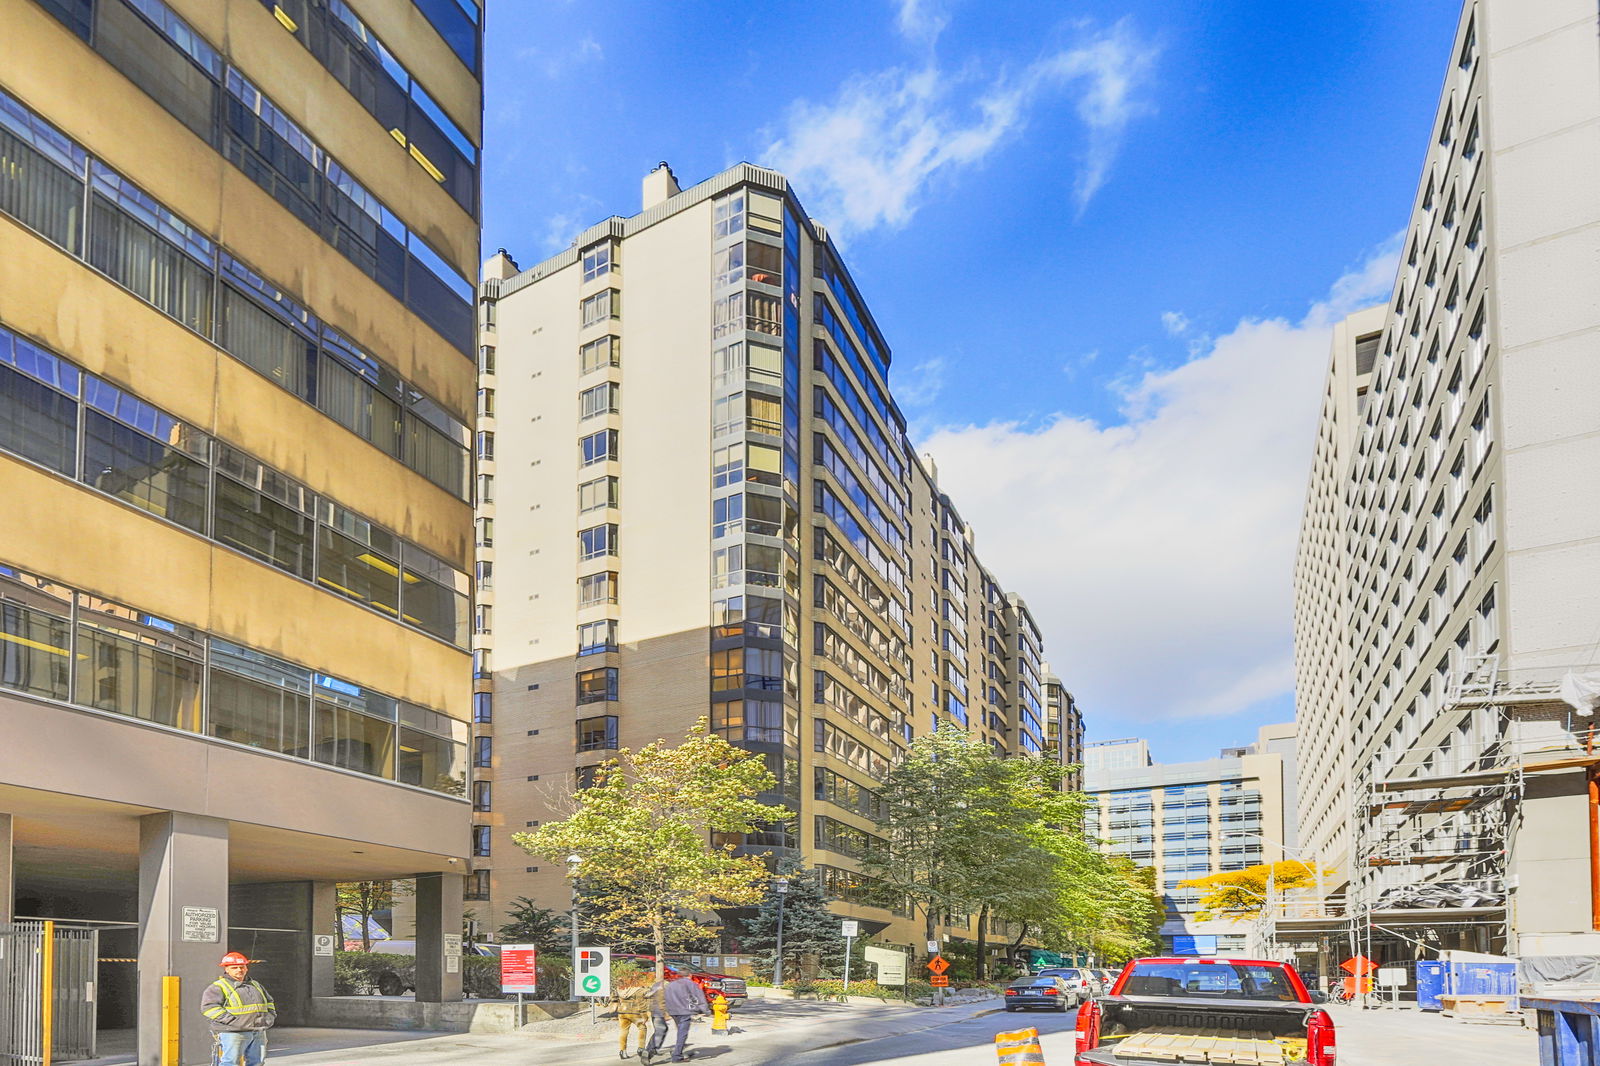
x=519 y=968
x=202 y=925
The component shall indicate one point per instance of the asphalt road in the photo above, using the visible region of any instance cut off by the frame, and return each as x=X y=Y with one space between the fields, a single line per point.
x=960 y=1042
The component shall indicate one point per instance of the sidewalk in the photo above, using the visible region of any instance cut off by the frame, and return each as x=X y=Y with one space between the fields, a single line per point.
x=1403 y=1037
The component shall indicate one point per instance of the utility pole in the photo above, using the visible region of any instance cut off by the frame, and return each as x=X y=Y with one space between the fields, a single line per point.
x=573 y=862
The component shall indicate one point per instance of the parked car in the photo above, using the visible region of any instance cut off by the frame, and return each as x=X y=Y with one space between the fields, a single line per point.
x=732 y=988
x=1107 y=979
x=1079 y=982
x=1251 y=1007
x=1050 y=993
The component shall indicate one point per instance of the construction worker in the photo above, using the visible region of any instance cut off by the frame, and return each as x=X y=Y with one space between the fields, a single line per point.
x=240 y=1012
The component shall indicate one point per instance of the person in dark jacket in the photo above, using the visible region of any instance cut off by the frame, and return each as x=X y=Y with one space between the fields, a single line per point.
x=240 y=1012
x=681 y=1000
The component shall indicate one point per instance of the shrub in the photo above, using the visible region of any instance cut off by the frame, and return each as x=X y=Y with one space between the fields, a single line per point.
x=359 y=972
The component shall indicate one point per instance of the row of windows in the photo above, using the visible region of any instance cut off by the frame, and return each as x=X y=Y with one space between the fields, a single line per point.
x=74 y=647
x=834 y=835
x=83 y=427
x=153 y=253
x=182 y=72
x=349 y=50
x=747 y=720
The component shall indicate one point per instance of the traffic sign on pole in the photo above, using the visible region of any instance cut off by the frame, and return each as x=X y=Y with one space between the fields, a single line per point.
x=939 y=980
x=938 y=964
x=594 y=972
x=519 y=970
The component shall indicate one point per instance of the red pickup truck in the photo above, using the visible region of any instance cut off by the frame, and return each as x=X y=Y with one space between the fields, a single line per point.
x=1167 y=1010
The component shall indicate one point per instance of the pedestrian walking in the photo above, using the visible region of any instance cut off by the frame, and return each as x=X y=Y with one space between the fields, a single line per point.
x=240 y=1012
x=633 y=1010
x=681 y=1000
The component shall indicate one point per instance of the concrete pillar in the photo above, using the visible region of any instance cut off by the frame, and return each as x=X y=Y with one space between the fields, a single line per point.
x=8 y=880
x=438 y=918
x=324 y=921
x=183 y=921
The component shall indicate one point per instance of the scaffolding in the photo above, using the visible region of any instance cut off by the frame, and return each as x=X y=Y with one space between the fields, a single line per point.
x=1434 y=832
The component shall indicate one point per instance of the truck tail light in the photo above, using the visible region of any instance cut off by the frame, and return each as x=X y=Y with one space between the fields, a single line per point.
x=1088 y=1028
x=1320 y=1043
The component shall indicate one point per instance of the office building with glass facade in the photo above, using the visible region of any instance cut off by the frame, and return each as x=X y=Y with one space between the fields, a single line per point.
x=236 y=391
x=699 y=502
x=1187 y=820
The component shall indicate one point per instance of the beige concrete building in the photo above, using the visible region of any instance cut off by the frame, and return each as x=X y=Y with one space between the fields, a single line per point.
x=702 y=503
x=1187 y=820
x=236 y=386
x=1470 y=535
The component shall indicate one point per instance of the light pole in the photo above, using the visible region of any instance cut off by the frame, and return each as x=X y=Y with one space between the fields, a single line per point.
x=780 y=885
x=573 y=862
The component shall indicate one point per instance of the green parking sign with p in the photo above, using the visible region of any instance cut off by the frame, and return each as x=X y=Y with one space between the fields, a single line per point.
x=594 y=972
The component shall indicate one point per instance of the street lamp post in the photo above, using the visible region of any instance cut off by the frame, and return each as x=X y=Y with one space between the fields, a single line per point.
x=780 y=885
x=573 y=862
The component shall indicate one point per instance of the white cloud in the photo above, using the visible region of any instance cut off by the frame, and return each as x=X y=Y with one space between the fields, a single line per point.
x=921 y=384
x=866 y=158
x=921 y=20
x=1157 y=553
x=1176 y=323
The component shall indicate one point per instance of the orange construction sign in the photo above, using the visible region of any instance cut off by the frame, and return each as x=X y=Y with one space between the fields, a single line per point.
x=1360 y=966
x=1019 y=1048
x=938 y=964
x=940 y=980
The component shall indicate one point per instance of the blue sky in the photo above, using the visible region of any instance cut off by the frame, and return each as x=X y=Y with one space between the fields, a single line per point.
x=1104 y=241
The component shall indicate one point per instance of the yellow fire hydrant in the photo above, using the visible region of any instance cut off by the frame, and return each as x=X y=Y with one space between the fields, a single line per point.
x=719 y=1013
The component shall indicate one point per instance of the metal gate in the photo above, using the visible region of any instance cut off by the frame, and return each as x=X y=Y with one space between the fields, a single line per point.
x=47 y=982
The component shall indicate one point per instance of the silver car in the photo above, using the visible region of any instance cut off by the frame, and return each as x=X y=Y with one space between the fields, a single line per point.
x=1079 y=981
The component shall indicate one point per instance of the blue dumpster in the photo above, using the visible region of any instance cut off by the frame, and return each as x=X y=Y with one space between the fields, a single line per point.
x=1569 y=1030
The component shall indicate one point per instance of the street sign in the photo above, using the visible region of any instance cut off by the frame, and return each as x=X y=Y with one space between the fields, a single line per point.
x=933 y=946
x=891 y=964
x=322 y=944
x=519 y=968
x=939 y=980
x=1392 y=977
x=938 y=964
x=849 y=929
x=201 y=925
x=594 y=972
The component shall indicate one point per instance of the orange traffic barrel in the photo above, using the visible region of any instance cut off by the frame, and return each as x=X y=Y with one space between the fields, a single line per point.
x=1019 y=1048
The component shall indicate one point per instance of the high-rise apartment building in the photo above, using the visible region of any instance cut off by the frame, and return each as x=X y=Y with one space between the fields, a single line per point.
x=1187 y=820
x=1440 y=598
x=1063 y=728
x=704 y=506
x=236 y=391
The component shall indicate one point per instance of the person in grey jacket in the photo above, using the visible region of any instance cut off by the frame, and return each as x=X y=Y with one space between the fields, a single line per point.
x=681 y=1000
x=240 y=1012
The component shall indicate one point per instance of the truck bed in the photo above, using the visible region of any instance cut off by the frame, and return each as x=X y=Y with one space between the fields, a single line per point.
x=1151 y=1031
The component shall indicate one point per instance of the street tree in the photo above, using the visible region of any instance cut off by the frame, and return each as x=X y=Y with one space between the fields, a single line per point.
x=364 y=899
x=1240 y=894
x=809 y=928
x=544 y=928
x=655 y=836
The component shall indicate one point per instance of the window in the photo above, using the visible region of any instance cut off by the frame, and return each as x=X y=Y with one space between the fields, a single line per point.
x=486 y=358
x=483 y=575
x=485 y=445
x=481 y=796
x=38 y=408
x=601 y=492
x=165 y=474
x=597 y=588
x=597 y=637
x=363 y=566
x=483 y=707
x=598 y=447
x=484 y=620
x=761 y=721
x=485 y=403
x=597 y=541
x=603 y=305
x=728 y=215
x=597 y=261
x=253 y=521
x=602 y=399
x=457 y=22
x=603 y=351
x=478 y=884
x=596 y=734
x=485 y=488
x=486 y=532
x=345 y=734
x=432 y=751
x=483 y=751
x=480 y=841
x=597 y=686
x=258 y=700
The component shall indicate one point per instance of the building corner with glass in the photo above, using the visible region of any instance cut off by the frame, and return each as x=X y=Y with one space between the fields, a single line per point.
x=236 y=391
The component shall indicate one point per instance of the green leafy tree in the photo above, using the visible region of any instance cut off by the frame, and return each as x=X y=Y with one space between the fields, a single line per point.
x=809 y=928
x=1240 y=894
x=543 y=927
x=363 y=900
x=643 y=836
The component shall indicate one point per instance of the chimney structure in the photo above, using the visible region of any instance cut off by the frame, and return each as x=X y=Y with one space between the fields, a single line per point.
x=659 y=185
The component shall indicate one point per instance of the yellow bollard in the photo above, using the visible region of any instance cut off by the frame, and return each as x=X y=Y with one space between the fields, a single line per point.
x=47 y=1001
x=1019 y=1048
x=171 y=1021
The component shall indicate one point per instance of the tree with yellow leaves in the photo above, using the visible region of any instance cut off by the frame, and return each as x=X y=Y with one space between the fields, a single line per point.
x=1240 y=894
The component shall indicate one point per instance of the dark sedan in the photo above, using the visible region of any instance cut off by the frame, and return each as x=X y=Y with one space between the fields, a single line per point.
x=1050 y=993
